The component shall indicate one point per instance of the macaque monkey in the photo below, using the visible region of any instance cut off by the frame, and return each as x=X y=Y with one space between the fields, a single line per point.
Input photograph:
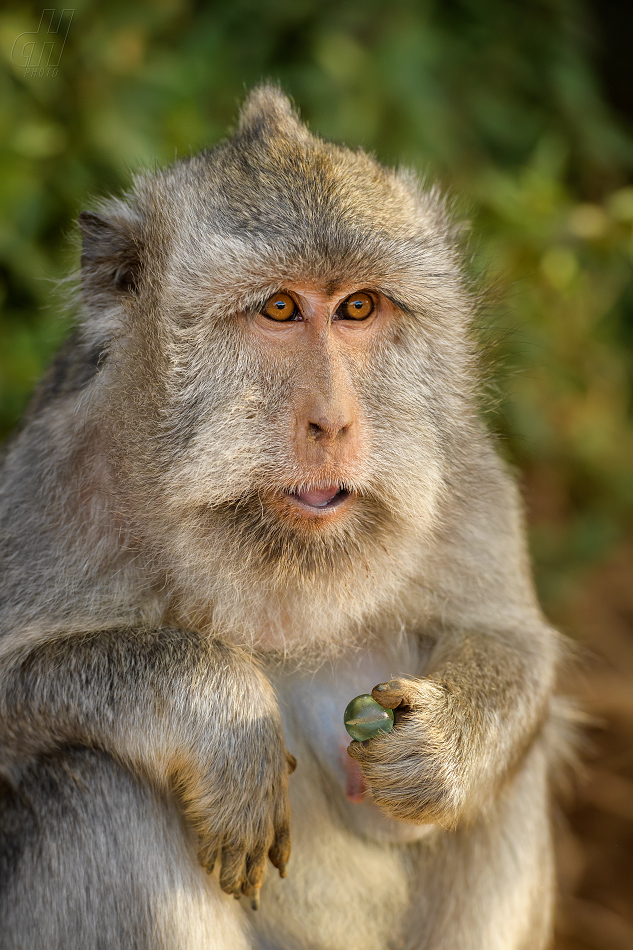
x=254 y=484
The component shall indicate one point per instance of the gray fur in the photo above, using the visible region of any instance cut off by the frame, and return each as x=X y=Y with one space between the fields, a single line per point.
x=149 y=597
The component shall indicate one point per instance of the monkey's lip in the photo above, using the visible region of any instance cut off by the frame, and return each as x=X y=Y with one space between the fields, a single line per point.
x=317 y=500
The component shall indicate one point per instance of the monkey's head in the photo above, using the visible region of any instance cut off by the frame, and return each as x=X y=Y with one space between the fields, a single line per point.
x=285 y=376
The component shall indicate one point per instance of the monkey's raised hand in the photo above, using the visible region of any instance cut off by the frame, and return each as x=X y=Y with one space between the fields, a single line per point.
x=458 y=734
x=195 y=716
x=411 y=771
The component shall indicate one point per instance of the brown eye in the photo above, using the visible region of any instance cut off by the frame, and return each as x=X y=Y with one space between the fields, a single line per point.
x=356 y=307
x=279 y=307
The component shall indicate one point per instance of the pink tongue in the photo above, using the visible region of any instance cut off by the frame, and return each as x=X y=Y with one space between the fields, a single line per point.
x=318 y=498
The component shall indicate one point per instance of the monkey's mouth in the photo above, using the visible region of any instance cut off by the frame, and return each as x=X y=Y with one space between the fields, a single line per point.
x=319 y=500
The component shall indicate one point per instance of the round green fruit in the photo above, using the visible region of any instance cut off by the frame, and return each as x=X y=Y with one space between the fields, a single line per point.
x=365 y=718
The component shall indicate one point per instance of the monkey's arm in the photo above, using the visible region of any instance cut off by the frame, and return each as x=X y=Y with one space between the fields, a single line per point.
x=461 y=731
x=192 y=715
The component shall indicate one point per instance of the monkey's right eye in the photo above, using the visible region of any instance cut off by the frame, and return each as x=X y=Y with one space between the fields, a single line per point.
x=280 y=307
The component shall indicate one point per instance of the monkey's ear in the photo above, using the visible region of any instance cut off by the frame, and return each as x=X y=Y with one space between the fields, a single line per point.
x=110 y=256
x=267 y=111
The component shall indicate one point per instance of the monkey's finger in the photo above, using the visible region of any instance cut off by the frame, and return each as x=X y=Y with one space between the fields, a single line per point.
x=252 y=891
x=255 y=871
x=355 y=750
x=391 y=694
x=254 y=896
x=255 y=868
x=292 y=762
x=358 y=750
x=233 y=872
x=208 y=862
x=279 y=854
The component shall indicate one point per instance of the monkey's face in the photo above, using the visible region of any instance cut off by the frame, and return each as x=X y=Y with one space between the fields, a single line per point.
x=326 y=339
x=292 y=460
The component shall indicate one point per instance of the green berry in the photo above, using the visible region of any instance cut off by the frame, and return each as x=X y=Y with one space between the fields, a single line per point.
x=365 y=718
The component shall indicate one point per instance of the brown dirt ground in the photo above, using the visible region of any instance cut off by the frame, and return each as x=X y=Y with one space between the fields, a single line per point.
x=595 y=828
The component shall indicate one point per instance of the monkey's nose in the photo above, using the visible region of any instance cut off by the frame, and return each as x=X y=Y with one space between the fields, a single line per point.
x=327 y=430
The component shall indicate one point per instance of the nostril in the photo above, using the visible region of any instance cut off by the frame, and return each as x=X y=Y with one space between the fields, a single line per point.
x=326 y=431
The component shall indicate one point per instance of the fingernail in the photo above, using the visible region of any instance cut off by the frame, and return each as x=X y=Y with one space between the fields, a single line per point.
x=282 y=870
x=255 y=899
x=236 y=896
x=382 y=687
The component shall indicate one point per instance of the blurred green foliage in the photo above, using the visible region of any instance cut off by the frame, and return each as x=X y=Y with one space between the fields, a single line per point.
x=498 y=100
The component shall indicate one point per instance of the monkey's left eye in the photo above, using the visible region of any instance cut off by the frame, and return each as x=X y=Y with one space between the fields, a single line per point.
x=280 y=307
x=356 y=307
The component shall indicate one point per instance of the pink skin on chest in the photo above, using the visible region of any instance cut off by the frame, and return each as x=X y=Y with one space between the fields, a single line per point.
x=355 y=784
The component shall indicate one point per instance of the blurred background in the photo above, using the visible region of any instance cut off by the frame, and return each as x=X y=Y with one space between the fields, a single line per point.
x=524 y=113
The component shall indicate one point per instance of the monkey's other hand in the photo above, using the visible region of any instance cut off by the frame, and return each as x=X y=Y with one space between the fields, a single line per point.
x=240 y=810
x=414 y=772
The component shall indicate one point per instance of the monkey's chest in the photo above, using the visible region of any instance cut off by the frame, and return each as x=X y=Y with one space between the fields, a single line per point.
x=313 y=707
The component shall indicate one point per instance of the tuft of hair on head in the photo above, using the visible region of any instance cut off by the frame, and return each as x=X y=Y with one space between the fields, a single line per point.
x=267 y=111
